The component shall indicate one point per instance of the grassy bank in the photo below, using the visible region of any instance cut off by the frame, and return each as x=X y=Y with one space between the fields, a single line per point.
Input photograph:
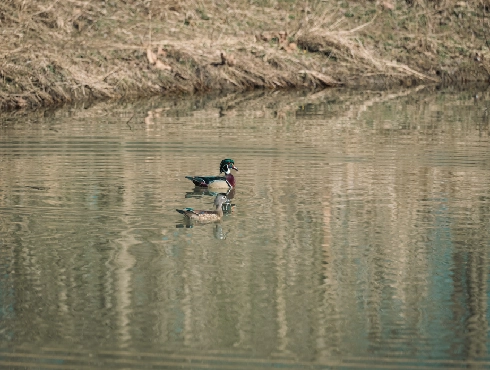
x=58 y=51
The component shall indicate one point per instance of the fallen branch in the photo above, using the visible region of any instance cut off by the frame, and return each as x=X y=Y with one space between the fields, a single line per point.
x=327 y=80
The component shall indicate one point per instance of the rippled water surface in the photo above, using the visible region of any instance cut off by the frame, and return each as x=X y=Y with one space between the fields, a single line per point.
x=360 y=236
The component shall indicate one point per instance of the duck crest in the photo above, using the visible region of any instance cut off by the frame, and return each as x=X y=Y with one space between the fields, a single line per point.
x=226 y=164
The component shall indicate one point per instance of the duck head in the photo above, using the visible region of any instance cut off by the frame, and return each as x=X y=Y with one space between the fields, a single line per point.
x=219 y=200
x=225 y=166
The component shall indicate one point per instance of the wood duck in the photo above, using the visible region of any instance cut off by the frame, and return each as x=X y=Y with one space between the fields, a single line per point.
x=217 y=182
x=206 y=216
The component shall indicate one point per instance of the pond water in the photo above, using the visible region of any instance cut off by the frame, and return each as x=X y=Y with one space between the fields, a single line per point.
x=360 y=236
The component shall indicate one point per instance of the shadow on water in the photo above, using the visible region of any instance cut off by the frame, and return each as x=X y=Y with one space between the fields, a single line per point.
x=360 y=235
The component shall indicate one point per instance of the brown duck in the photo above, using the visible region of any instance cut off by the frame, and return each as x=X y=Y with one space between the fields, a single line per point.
x=204 y=216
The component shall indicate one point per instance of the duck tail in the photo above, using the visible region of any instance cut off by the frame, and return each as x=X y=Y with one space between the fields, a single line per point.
x=198 y=181
x=193 y=179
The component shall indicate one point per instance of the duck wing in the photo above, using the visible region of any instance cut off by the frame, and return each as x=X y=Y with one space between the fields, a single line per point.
x=190 y=211
x=204 y=181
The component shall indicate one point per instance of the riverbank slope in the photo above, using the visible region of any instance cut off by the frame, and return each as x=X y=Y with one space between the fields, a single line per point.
x=60 y=51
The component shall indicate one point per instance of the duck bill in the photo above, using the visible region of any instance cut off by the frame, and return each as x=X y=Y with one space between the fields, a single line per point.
x=233 y=166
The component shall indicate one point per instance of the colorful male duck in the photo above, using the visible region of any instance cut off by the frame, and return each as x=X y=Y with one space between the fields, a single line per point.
x=217 y=182
x=206 y=216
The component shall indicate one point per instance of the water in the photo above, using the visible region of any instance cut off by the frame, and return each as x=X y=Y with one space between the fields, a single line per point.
x=360 y=237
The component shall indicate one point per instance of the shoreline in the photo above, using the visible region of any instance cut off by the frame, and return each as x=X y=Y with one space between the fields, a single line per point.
x=67 y=52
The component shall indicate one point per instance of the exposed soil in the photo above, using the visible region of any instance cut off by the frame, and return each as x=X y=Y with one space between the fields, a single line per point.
x=59 y=51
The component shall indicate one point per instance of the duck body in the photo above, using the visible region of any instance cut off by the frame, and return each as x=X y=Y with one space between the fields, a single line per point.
x=213 y=182
x=201 y=215
x=217 y=182
x=206 y=216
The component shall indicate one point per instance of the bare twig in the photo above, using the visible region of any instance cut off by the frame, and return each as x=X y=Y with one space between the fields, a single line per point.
x=127 y=123
x=113 y=71
x=149 y=23
x=484 y=8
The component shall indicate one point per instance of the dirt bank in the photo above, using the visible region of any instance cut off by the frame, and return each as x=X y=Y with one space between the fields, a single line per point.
x=58 y=51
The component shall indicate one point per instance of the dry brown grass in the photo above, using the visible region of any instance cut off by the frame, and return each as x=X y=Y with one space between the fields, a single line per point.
x=58 y=51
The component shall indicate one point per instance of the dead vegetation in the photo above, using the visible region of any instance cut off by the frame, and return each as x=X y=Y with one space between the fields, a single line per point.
x=59 y=51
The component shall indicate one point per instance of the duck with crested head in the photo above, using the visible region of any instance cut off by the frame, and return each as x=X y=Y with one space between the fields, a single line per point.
x=206 y=216
x=217 y=182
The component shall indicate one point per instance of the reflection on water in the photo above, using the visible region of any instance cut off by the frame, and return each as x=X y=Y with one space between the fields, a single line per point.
x=359 y=236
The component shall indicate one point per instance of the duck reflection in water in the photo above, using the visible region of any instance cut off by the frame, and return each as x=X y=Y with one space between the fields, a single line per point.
x=218 y=231
x=227 y=206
